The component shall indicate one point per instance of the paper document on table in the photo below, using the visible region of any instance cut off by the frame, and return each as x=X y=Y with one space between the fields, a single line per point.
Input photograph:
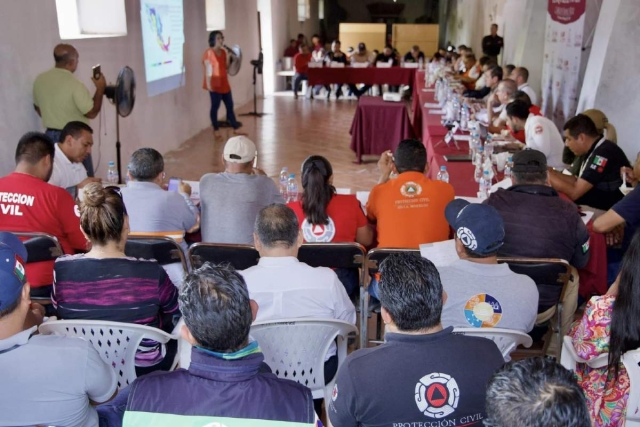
x=429 y=90
x=462 y=137
x=505 y=183
x=195 y=189
x=436 y=112
x=363 y=197
x=440 y=254
x=431 y=105
x=566 y=172
x=470 y=199
x=587 y=216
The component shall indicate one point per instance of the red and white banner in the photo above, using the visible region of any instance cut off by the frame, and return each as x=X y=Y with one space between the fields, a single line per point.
x=562 y=52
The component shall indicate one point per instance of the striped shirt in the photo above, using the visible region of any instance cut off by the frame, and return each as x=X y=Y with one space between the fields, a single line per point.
x=124 y=290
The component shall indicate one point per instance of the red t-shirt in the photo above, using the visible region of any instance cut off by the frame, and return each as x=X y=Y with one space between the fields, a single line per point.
x=28 y=204
x=345 y=217
x=301 y=62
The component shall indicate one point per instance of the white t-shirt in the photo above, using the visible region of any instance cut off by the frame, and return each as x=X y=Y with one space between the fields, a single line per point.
x=542 y=134
x=286 y=288
x=65 y=172
x=529 y=91
x=49 y=379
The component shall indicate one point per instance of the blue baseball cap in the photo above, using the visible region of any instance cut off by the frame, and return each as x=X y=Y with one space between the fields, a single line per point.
x=479 y=227
x=13 y=257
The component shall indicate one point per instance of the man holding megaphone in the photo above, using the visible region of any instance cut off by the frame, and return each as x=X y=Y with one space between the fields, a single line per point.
x=216 y=81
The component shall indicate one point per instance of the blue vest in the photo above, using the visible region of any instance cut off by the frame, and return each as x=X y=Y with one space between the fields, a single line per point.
x=219 y=393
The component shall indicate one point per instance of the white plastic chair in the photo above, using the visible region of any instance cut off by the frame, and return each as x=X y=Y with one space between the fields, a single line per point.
x=115 y=342
x=569 y=359
x=295 y=349
x=507 y=340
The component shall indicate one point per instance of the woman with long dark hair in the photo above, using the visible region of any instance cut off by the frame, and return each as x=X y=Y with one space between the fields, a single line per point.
x=325 y=216
x=611 y=324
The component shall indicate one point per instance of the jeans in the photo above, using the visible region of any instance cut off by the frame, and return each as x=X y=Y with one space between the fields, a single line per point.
x=87 y=162
x=350 y=279
x=297 y=79
x=373 y=288
x=359 y=92
x=216 y=98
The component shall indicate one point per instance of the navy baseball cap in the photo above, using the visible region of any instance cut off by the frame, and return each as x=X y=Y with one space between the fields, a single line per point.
x=479 y=227
x=13 y=257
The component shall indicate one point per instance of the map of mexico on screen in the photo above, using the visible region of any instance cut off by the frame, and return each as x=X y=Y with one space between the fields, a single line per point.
x=163 y=41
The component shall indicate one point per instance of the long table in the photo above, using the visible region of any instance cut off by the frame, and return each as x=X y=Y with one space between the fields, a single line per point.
x=370 y=76
x=593 y=277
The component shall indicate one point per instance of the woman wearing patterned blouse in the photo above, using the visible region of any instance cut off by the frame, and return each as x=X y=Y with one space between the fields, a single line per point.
x=610 y=324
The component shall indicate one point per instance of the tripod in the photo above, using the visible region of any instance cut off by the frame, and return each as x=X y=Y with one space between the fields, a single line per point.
x=254 y=113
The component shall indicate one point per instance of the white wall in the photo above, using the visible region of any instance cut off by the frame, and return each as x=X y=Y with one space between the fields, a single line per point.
x=29 y=30
x=611 y=75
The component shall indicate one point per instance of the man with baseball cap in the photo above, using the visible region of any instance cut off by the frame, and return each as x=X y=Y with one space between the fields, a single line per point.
x=49 y=380
x=232 y=199
x=481 y=292
x=540 y=224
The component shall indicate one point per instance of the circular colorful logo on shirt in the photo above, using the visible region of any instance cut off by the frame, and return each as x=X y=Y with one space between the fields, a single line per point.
x=437 y=395
x=483 y=311
x=410 y=189
x=318 y=233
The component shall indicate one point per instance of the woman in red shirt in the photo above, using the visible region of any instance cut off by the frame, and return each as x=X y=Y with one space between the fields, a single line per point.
x=216 y=81
x=325 y=216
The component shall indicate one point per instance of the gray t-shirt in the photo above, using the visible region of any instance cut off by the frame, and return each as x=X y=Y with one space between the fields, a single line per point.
x=49 y=379
x=230 y=204
x=488 y=296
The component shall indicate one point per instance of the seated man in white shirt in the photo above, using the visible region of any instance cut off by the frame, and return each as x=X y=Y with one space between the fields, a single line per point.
x=498 y=115
x=540 y=133
x=68 y=171
x=482 y=293
x=520 y=75
x=286 y=288
x=46 y=379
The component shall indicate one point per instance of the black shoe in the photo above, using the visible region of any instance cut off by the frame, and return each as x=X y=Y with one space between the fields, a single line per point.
x=328 y=95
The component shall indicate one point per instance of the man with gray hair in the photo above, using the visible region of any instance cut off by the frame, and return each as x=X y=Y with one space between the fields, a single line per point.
x=535 y=392
x=155 y=211
x=231 y=199
x=286 y=288
x=498 y=114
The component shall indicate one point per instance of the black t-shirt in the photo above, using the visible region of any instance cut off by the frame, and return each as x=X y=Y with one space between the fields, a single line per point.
x=384 y=58
x=601 y=168
x=409 y=57
x=415 y=380
x=491 y=45
x=332 y=57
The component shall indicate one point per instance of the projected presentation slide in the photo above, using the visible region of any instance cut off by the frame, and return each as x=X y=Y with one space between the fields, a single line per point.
x=163 y=42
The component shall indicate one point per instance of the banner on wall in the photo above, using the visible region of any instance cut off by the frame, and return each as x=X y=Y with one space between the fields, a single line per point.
x=562 y=52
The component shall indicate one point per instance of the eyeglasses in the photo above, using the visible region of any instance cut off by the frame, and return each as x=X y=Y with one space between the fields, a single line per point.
x=117 y=191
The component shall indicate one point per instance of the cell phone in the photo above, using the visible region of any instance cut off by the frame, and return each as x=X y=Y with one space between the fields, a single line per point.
x=173 y=184
x=97 y=71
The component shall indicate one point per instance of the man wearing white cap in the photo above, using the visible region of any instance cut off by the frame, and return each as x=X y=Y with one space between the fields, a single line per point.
x=232 y=199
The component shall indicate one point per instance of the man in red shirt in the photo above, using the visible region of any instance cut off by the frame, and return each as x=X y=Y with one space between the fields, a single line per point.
x=29 y=204
x=301 y=67
x=216 y=81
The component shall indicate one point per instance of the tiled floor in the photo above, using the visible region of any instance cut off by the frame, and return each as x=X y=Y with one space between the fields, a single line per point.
x=293 y=130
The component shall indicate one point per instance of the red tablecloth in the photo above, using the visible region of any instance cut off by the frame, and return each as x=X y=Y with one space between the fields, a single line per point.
x=371 y=76
x=593 y=277
x=379 y=126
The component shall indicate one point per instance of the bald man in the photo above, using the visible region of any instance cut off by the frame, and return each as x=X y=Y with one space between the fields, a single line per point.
x=59 y=97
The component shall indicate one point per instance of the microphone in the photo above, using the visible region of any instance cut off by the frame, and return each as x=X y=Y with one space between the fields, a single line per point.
x=228 y=48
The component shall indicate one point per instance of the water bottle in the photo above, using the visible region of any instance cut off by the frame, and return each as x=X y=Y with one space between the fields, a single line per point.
x=284 y=177
x=292 y=189
x=479 y=156
x=126 y=178
x=443 y=175
x=485 y=185
x=464 y=117
x=508 y=168
x=112 y=173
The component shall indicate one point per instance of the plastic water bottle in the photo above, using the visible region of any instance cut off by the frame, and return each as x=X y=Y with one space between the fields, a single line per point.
x=464 y=117
x=477 y=173
x=508 y=168
x=485 y=185
x=443 y=175
x=126 y=178
x=284 y=177
x=292 y=189
x=479 y=156
x=112 y=173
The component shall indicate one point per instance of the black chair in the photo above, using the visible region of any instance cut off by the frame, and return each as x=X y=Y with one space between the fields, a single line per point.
x=240 y=257
x=551 y=277
x=41 y=247
x=372 y=261
x=164 y=250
